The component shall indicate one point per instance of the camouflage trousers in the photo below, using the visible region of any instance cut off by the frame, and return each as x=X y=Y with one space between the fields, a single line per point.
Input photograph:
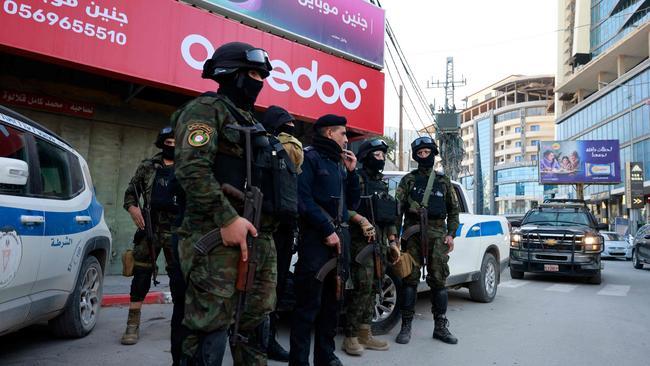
x=211 y=298
x=143 y=268
x=360 y=304
x=437 y=259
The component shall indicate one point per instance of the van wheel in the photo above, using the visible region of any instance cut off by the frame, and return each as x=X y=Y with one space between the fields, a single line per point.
x=386 y=313
x=485 y=289
x=80 y=314
x=636 y=262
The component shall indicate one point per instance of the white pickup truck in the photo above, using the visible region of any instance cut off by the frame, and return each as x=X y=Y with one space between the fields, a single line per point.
x=481 y=252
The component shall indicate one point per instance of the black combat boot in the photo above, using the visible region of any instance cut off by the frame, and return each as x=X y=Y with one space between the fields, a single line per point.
x=404 y=335
x=275 y=351
x=440 y=330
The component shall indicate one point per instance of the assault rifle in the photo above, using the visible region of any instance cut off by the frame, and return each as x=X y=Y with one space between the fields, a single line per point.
x=253 y=213
x=337 y=261
x=148 y=230
x=373 y=249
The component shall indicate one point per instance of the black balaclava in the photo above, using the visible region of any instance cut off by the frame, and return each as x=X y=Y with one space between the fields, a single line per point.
x=426 y=162
x=168 y=152
x=241 y=89
x=291 y=130
x=373 y=164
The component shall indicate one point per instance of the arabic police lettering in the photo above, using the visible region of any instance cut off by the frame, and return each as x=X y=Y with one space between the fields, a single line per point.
x=282 y=77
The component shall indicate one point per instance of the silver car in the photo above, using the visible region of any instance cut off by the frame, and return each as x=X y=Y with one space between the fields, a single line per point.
x=616 y=246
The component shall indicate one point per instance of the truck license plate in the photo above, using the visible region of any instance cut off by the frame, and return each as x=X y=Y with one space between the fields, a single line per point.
x=551 y=267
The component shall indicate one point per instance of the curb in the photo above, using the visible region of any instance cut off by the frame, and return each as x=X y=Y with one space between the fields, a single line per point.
x=156 y=297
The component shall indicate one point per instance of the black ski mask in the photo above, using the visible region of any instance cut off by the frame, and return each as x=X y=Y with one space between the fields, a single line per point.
x=425 y=162
x=291 y=130
x=373 y=164
x=168 y=152
x=242 y=90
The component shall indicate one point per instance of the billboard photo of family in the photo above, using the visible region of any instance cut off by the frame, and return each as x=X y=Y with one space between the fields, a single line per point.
x=570 y=162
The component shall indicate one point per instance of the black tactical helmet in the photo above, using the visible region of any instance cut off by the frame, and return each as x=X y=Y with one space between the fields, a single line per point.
x=370 y=146
x=422 y=143
x=164 y=134
x=233 y=56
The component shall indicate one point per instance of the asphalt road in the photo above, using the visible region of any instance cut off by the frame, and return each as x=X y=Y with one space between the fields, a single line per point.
x=539 y=320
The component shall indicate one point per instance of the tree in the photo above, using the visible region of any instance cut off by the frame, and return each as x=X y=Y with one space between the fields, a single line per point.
x=392 y=147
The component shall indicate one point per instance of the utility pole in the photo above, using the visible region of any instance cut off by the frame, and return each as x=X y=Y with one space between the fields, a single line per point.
x=400 y=153
x=448 y=123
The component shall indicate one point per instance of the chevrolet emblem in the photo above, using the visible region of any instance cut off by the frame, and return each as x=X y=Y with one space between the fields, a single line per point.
x=550 y=242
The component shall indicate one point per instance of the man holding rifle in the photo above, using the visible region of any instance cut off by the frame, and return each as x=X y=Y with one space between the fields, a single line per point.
x=429 y=207
x=327 y=188
x=373 y=231
x=155 y=202
x=229 y=263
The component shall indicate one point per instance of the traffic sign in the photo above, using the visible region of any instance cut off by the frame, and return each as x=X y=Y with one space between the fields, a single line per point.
x=634 y=184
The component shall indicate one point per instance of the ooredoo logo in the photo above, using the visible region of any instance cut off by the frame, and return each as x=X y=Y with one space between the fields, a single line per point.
x=283 y=79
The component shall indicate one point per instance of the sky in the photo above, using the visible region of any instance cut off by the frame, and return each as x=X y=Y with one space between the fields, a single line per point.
x=489 y=40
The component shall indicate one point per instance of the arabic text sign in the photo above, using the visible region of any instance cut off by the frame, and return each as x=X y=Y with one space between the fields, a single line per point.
x=569 y=162
x=353 y=27
x=46 y=103
x=164 y=43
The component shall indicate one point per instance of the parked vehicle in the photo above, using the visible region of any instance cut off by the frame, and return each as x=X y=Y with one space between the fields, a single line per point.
x=641 y=247
x=55 y=243
x=558 y=237
x=616 y=246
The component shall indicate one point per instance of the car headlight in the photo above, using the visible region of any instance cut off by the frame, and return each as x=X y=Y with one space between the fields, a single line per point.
x=592 y=243
x=515 y=240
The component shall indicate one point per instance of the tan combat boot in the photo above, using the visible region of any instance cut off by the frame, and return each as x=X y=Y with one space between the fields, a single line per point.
x=368 y=341
x=352 y=347
x=131 y=334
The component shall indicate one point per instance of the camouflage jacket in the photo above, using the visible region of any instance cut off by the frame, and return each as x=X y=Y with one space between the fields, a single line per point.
x=406 y=203
x=200 y=137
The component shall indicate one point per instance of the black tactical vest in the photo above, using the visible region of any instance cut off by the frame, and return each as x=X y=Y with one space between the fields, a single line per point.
x=383 y=204
x=437 y=208
x=165 y=191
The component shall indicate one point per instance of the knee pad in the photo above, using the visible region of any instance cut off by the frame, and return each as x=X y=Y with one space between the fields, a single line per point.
x=439 y=300
x=409 y=296
x=141 y=283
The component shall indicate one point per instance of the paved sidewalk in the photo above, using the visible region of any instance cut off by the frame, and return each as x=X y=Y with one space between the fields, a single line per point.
x=117 y=288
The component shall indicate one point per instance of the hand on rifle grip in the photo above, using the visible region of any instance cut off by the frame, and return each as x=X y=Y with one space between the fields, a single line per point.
x=236 y=234
x=136 y=216
x=333 y=240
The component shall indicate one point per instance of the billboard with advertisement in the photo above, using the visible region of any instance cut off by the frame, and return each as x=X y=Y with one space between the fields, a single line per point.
x=164 y=43
x=353 y=28
x=572 y=162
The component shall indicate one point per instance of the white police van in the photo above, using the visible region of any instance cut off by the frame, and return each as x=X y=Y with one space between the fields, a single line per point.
x=54 y=243
x=481 y=253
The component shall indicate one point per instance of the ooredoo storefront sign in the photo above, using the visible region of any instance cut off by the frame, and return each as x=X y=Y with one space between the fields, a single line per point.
x=164 y=43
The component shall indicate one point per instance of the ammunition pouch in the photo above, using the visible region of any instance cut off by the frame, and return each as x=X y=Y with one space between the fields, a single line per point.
x=128 y=262
x=404 y=267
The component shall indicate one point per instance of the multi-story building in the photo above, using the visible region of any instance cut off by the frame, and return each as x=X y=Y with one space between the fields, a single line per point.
x=603 y=87
x=501 y=128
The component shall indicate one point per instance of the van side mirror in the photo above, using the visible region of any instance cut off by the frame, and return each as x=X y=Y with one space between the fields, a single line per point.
x=515 y=223
x=647 y=237
x=602 y=226
x=13 y=171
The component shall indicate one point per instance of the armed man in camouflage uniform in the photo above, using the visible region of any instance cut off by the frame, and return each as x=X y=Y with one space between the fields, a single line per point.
x=359 y=307
x=154 y=182
x=441 y=206
x=210 y=151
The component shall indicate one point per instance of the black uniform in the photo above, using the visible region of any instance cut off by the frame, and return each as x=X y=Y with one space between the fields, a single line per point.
x=319 y=188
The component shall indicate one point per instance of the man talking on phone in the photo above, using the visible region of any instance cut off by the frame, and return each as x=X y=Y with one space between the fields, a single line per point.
x=327 y=188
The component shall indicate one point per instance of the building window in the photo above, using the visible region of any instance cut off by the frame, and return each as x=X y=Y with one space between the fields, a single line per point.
x=518 y=144
x=518 y=130
x=533 y=158
x=534 y=142
x=534 y=128
x=518 y=158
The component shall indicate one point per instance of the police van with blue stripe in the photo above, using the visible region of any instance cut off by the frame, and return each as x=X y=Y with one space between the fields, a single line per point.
x=54 y=243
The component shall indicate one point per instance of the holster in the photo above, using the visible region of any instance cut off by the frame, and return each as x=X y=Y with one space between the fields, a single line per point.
x=128 y=262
